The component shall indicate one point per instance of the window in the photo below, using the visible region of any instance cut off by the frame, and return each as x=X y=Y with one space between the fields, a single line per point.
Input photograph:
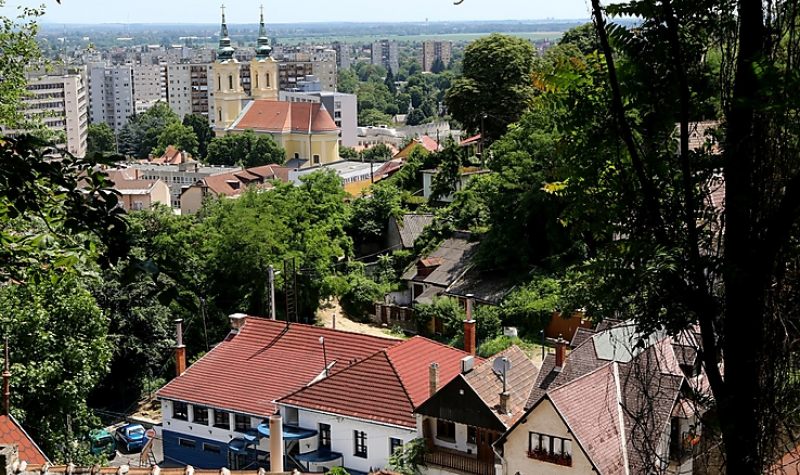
x=548 y=448
x=445 y=430
x=360 y=438
x=325 y=436
x=472 y=435
x=394 y=444
x=222 y=420
x=241 y=422
x=230 y=81
x=180 y=410
x=316 y=159
x=214 y=449
x=189 y=444
x=200 y=415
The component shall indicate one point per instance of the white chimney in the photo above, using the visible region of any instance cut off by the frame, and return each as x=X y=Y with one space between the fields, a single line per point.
x=237 y=321
x=467 y=363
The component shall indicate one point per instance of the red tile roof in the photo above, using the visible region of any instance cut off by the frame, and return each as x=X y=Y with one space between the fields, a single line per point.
x=385 y=387
x=266 y=361
x=284 y=117
x=13 y=433
x=235 y=183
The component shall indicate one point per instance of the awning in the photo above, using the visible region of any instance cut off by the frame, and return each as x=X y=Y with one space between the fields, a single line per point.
x=251 y=436
x=318 y=456
x=289 y=432
x=238 y=445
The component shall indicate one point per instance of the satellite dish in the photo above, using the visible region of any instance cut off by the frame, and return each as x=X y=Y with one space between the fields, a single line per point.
x=501 y=365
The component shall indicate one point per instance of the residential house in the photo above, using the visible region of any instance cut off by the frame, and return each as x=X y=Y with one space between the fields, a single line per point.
x=403 y=231
x=449 y=270
x=214 y=413
x=427 y=143
x=467 y=415
x=230 y=185
x=619 y=404
x=136 y=194
x=365 y=411
x=171 y=156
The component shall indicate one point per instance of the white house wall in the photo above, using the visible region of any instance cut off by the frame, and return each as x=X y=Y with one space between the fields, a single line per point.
x=193 y=429
x=342 y=440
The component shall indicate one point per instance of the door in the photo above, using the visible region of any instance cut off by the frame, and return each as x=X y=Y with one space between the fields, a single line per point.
x=485 y=440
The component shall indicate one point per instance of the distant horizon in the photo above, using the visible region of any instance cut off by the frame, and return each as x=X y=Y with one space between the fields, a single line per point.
x=343 y=22
x=202 y=12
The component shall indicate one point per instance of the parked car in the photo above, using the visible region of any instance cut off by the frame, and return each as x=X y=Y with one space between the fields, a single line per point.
x=101 y=442
x=131 y=437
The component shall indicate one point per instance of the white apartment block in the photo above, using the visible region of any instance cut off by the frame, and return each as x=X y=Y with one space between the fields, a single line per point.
x=149 y=83
x=433 y=50
x=188 y=90
x=58 y=101
x=342 y=107
x=111 y=98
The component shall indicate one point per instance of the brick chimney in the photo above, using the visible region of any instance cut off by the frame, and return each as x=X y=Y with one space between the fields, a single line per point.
x=504 y=398
x=561 y=353
x=180 y=348
x=433 y=379
x=469 y=329
x=237 y=321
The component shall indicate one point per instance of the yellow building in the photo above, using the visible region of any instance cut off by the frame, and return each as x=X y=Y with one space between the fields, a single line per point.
x=305 y=130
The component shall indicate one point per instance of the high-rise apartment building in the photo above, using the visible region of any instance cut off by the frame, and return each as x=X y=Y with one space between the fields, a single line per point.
x=149 y=82
x=57 y=100
x=111 y=98
x=342 y=55
x=433 y=50
x=384 y=53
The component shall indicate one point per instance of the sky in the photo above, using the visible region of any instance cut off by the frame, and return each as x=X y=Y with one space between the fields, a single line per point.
x=246 y=11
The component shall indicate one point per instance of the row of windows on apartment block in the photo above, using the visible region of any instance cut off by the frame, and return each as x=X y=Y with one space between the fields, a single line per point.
x=180 y=411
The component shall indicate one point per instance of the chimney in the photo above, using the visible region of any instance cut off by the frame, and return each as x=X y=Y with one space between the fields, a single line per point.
x=237 y=321
x=6 y=383
x=504 y=397
x=561 y=353
x=275 y=443
x=433 y=378
x=180 y=348
x=469 y=329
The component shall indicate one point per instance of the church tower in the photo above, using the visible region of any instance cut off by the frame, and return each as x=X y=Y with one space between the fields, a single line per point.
x=228 y=94
x=264 y=68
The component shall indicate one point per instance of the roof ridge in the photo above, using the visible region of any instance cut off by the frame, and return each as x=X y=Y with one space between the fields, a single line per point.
x=330 y=330
x=334 y=375
x=621 y=418
x=438 y=343
x=400 y=379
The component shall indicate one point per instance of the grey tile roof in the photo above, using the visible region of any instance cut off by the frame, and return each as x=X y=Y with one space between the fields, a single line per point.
x=411 y=226
x=486 y=286
x=455 y=255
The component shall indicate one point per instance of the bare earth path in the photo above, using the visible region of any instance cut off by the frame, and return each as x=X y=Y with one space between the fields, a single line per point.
x=325 y=317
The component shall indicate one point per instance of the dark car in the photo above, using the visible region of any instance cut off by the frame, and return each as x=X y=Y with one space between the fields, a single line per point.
x=131 y=437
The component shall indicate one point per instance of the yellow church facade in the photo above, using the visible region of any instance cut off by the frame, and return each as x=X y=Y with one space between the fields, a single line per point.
x=305 y=130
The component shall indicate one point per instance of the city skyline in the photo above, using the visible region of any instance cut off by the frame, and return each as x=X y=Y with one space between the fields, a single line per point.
x=208 y=11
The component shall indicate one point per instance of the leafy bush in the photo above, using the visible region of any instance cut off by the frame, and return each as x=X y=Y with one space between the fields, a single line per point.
x=530 y=307
x=407 y=459
x=358 y=301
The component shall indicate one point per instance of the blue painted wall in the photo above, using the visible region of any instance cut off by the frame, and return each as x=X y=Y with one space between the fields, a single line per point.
x=195 y=456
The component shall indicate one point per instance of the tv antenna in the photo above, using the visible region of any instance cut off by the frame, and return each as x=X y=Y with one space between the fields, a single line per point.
x=501 y=366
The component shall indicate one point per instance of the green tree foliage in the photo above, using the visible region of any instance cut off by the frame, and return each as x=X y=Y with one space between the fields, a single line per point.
x=370 y=214
x=407 y=459
x=495 y=86
x=202 y=130
x=415 y=117
x=389 y=82
x=347 y=81
x=348 y=153
x=57 y=336
x=101 y=139
x=438 y=66
x=583 y=37
x=140 y=135
x=373 y=117
x=361 y=294
x=179 y=136
x=18 y=49
x=377 y=153
x=247 y=149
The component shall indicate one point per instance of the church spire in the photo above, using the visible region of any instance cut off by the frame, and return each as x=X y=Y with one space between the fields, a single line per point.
x=263 y=50
x=225 y=51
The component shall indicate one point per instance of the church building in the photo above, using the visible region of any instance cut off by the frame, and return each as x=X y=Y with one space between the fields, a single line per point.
x=305 y=130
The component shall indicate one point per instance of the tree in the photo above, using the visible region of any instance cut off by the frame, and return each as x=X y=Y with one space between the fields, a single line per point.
x=389 y=82
x=373 y=117
x=415 y=117
x=347 y=81
x=19 y=49
x=438 y=66
x=179 y=136
x=370 y=215
x=495 y=87
x=57 y=335
x=101 y=139
x=202 y=130
x=140 y=135
x=377 y=153
x=348 y=153
x=583 y=37
x=247 y=149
